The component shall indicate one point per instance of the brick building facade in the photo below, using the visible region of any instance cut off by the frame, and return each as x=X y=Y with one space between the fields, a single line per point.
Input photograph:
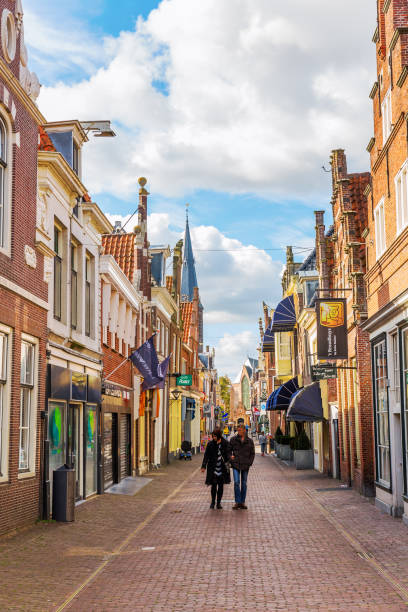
x=387 y=257
x=23 y=290
x=341 y=262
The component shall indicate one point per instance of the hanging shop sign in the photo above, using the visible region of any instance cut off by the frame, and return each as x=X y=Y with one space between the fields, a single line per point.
x=323 y=372
x=331 y=328
x=248 y=412
x=185 y=380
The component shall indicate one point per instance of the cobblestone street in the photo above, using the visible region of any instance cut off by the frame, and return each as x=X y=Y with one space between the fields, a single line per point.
x=298 y=547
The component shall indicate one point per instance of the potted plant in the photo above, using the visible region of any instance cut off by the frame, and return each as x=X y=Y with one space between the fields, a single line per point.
x=303 y=452
x=278 y=435
x=285 y=452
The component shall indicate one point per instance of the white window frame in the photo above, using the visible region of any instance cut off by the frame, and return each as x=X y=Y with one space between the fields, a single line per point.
x=285 y=352
x=386 y=115
x=379 y=221
x=29 y=471
x=401 y=197
x=6 y=188
x=5 y=399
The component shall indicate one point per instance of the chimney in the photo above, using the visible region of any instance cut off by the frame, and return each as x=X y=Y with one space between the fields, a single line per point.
x=118 y=227
x=321 y=253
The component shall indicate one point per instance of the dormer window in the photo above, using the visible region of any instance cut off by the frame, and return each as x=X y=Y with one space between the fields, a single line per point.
x=75 y=158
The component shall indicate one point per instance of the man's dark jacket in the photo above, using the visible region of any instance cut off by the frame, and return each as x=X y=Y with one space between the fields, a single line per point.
x=211 y=457
x=243 y=451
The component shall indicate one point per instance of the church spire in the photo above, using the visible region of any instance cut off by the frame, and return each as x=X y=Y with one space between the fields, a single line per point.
x=189 y=276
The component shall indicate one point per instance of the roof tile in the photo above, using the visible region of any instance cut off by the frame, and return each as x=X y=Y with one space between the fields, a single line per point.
x=122 y=248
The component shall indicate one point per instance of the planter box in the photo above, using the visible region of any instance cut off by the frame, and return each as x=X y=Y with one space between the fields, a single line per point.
x=304 y=459
x=285 y=452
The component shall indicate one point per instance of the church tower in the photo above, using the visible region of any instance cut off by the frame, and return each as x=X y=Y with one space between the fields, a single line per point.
x=189 y=283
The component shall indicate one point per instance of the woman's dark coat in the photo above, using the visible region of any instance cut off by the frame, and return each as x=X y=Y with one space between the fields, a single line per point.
x=243 y=451
x=210 y=460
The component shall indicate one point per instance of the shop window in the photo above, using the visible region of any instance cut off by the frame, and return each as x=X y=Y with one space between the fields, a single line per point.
x=396 y=368
x=405 y=391
x=27 y=420
x=91 y=450
x=382 y=437
x=57 y=434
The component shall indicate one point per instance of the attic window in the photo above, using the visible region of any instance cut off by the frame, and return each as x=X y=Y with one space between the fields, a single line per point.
x=75 y=158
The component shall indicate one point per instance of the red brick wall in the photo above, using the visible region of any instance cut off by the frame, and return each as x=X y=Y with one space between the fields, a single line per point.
x=20 y=499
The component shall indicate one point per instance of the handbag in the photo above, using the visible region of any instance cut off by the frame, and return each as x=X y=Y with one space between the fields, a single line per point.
x=227 y=473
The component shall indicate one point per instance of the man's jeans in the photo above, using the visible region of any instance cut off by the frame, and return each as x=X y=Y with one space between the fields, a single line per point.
x=240 y=485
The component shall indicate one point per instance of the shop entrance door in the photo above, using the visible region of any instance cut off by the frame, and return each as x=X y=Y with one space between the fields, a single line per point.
x=124 y=445
x=110 y=448
x=75 y=446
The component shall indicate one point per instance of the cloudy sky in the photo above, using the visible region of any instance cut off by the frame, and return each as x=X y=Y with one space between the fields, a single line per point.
x=230 y=105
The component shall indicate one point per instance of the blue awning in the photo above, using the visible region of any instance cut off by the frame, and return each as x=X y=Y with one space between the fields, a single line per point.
x=306 y=404
x=284 y=317
x=270 y=400
x=283 y=394
x=268 y=342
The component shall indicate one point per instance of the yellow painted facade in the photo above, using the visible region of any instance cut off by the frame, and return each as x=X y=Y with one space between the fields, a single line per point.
x=175 y=425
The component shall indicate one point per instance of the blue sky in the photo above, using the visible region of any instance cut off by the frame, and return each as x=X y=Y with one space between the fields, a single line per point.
x=230 y=106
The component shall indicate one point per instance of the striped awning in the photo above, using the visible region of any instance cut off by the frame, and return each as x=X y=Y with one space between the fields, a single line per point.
x=284 y=317
x=282 y=395
x=306 y=405
x=268 y=342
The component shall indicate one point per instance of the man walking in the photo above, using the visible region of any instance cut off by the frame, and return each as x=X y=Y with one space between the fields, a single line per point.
x=242 y=457
x=262 y=441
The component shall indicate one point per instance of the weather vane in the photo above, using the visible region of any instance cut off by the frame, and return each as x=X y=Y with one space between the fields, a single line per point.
x=187 y=206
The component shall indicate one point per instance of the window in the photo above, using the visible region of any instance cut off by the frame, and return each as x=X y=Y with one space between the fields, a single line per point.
x=405 y=391
x=401 y=196
x=3 y=401
x=26 y=404
x=396 y=368
x=75 y=158
x=306 y=346
x=382 y=437
x=379 y=229
x=74 y=286
x=386 y=112
x=284 y=345
x=311 y=287
x=88 y=276
x=57 y=273
x=356 y=410
x=3 y=183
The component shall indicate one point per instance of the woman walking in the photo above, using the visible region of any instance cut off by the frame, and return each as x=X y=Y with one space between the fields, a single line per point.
x=216 y=456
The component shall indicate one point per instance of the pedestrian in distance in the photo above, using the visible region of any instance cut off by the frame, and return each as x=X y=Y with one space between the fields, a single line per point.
x=242 y=457
x=216 y=459
x=262 y=441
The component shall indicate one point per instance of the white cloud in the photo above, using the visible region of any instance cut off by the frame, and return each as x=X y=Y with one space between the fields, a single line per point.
x=232 y=351
x=258 y=94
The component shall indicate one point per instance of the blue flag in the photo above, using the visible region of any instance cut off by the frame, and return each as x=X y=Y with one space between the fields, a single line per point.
x=146 y=360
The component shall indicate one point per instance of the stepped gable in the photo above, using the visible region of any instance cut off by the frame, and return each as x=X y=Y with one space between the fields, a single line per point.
x=122 y=248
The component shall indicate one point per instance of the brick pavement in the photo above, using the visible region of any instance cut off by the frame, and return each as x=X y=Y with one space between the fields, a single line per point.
x=296 y=548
